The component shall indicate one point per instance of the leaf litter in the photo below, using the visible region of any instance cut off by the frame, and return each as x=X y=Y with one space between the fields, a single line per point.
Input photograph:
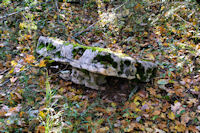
x=169 y=104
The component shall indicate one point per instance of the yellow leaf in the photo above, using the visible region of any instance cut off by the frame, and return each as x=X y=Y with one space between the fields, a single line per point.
x=180 y=128
x=165 y=44
x=13 y=63
x=113 y=104
x=21 y=113
x=114 y=41
x=42 y=63
x=136 y=100
x=163 y=7
x=27 y=37
x=137 y=110
x=196 y=88
x=138 y=6
x=150 y=56
x=174 y=30
x=194 y=23
x=42 y=114
x=21 y=25
x=11 y=71
x=171 y=115
x=30 y=59
x=22 y=68
x=8 y=122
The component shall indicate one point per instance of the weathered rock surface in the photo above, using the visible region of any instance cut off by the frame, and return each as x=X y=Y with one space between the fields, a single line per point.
x=91 y=65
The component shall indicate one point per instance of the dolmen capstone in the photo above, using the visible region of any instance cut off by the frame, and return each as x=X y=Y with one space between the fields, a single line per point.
x=91 y=66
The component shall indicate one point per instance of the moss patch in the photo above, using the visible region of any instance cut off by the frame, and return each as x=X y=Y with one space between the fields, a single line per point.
x=84 y=71
x=42 y=45
x=140 y=71
x=50 y=46
x=127 y=63
x=58 y=54
x=78 y=52
x=96 y=49
x=105 y=59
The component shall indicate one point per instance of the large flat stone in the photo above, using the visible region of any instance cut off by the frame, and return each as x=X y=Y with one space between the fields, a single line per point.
x=90 y=65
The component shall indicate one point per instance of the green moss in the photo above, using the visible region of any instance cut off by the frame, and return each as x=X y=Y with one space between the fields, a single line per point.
x=96 y=49
x=48 y=58
x=153 y=72
x=41 y=45
x=140 y=71
x=121 y=68
x=78 y=51
x=50 y=47
x=84 y=71
x=127 y=63
x=105 y=59
x=58 y=54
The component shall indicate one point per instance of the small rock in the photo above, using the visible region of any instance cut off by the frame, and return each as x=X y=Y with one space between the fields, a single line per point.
x=198 y=128
x=182 y=82
x=198 y=107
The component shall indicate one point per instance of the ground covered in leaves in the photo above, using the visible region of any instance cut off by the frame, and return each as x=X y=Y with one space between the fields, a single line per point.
x=34 y=98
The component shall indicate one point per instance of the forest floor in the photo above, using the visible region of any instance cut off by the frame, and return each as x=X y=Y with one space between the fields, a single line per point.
x=35 y=99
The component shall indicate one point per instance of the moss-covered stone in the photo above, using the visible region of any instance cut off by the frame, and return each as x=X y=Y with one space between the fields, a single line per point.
x=90 y=65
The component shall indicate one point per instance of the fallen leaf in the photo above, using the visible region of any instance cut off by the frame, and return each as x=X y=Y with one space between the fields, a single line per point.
x=175 y=107
x=40 y=129
x=13 y=79
x=103 y=130
x=149 y=56
x=30 y=59
x=13 y=63
x=162 y=82
x=157 y=112
x=42 y=63
x=171 y=115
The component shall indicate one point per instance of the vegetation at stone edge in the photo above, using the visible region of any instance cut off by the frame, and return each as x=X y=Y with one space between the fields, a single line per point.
x=35 y=99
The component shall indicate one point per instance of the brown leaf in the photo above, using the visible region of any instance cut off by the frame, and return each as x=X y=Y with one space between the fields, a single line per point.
x=157 y=112
x=40 y=129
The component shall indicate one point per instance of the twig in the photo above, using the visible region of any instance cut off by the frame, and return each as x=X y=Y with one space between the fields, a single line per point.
x=4 y=71
x=56 y=5
x=11 y=14
x=4 y=82
x=155 y=3
x=183 y=19
x=169 y=12
x=24 y=9
x=89 y=27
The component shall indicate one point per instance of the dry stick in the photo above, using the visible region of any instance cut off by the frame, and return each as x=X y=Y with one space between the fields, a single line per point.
x=167 y=15
x=89 y=27
x=183 y=20
x=4 y=71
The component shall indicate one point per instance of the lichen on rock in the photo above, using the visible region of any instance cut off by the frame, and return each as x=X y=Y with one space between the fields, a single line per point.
x=90 y=65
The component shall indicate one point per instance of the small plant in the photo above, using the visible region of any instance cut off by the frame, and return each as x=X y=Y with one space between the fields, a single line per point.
x=49 y=117
x=49 y=92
